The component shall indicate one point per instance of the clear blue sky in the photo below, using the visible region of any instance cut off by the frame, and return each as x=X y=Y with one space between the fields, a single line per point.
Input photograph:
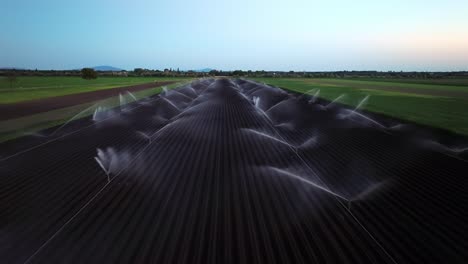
x=242 y=34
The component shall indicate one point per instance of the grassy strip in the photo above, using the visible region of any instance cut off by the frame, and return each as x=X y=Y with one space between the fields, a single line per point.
x=14 y=128
x=29 y=88
x=441 y=81
x=441 y=112
x=357 y=83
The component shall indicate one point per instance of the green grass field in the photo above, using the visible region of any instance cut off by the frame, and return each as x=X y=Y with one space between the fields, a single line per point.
x=438 y=81
x=442 y=111
x=29 y=88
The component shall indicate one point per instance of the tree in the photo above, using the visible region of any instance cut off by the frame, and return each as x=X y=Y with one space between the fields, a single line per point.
x=88 y=74
x=238 y=73
x=138 y=71
x=11 y=78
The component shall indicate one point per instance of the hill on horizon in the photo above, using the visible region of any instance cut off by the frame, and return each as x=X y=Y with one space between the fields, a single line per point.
x=204 y=70
x=106 y=68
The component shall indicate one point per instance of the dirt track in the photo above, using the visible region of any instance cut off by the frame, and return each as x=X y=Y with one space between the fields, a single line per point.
x=15 y=110
x=230 y=171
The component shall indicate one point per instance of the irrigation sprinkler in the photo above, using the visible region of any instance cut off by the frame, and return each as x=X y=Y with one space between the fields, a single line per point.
x=446 y=150
x=315 y=96
x=362 y=103
x=145 y=136
x=309 y=182
x=71 y=119
x=368 y=119
x=106 y=171
x=268 y=136
x=170 y=102
x=97 y=113
x=366 y=193
x=132 y=96
x=107 y=160
x=256 y=101
x=122 y=101
x=311 y=142
x=335 y=100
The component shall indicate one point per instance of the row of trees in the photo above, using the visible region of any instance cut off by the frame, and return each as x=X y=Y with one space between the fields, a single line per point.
x=89 y=73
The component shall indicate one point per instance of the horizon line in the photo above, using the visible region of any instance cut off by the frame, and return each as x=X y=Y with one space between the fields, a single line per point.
x=224 y=70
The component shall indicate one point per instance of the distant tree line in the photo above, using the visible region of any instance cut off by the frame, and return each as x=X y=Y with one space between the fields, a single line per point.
x=342 y=74
x=169 y=72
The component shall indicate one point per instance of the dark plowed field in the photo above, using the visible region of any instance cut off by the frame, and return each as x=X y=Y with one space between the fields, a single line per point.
x=232 y=171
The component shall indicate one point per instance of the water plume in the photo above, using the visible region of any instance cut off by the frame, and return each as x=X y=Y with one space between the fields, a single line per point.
x=122 y=100
x=145 y=136
x=111 y=162
x=443 y=148
x=243 y=95
x=366 y=193
x=354 y=111
x=315 y=96
x=98 y=113
x=171 y=103
x=256 y=101
x=335 y=100
x=369 y=119
x=362 y=103
x=132 y=96
x=308 y=182
x=249 y=130
x=311 y=142
x=286 y=125
x=71 y=119
x=34 y=134
x=398 y=127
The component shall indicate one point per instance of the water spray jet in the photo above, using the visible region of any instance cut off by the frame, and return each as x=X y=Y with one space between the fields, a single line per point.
x=335 y=100
x=311 y=183
x=132 y=96
x=268 y=136
x=145 y=136
x=71 y=119
x=315 y=96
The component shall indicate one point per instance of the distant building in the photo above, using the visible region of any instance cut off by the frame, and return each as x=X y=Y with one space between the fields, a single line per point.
x=120 y=73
